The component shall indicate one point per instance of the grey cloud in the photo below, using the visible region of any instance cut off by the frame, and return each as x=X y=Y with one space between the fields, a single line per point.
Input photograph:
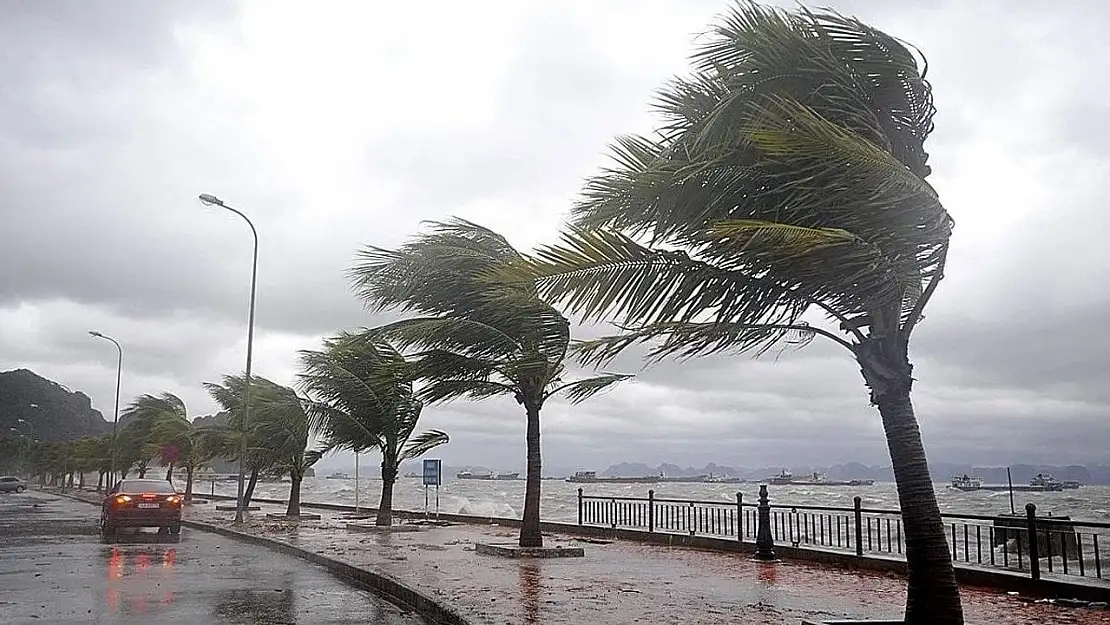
x=107 y=137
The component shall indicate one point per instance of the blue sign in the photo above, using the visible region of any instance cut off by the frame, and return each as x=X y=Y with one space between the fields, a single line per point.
x=432 y=472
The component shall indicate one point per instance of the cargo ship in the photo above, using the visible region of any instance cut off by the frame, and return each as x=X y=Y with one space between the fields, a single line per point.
x=489 y=475
x=969 y=483
x=590 y=477
x=815 y=479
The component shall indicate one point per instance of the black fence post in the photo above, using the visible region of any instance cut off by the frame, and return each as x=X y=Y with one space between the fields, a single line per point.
x=1034 y=548
x=580 y=506
x=651 y=511
x=764 y=543
x=858 y=505
x=739 y=517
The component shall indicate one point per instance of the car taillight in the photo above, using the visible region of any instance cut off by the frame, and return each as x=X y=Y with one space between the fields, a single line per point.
x=173 y=500
x=121 y=500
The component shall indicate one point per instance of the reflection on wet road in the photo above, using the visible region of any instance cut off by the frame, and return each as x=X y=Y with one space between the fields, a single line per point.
x=54 y=568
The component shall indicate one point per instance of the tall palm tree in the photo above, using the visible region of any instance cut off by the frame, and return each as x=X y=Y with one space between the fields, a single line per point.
x=367 y=402
x=477 y=337
x=284 y=428
x=787 y=179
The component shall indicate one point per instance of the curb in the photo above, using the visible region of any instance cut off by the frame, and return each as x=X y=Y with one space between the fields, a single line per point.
x=379 y=583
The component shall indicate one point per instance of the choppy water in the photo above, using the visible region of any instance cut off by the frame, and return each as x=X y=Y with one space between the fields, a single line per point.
x=506 y=498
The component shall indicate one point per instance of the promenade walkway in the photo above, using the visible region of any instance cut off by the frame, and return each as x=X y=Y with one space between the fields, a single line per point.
x=623 y=582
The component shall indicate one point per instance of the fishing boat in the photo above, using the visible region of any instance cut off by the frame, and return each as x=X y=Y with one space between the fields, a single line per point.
x=590 y=477
x=338 y=475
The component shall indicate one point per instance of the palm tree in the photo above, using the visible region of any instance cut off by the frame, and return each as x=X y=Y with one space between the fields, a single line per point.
x=283 y=428
x=788 y=179
x=190 y=446
x=230 y=396
x=144 y=415
x=367 y=402
x=478 y=337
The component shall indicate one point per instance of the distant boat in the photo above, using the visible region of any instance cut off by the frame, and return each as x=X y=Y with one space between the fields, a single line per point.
x=686 y=479
x=1049 y=482
x=590 y=477
x=720 y=479
x=816 y=479
x=489 y=475
x=412 y=474
x=970 y=483
x=782 y=479
x=338 y=475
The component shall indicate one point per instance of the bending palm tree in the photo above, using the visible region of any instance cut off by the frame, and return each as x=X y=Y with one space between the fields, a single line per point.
x=193 y=446
x=789 y=178
x=284 y=428
x=479 y=337
x=368 y=402
x=231 y=397
x=146 y=413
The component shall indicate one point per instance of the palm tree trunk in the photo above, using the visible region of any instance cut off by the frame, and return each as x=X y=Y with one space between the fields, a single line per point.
x=169 y=473
x=81 y=480
x=249 y=492
x=100 y=481
x=385 y=507
x=294 y=508
x=932 y=596
x=189 y=469
x=530 y=535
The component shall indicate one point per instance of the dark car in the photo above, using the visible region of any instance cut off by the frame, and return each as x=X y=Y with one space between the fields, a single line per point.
x=10 y=484
x=141 y=503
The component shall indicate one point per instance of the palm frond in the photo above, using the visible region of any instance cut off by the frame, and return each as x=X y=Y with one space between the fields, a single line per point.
x=461 y=336
x=600 y=273
x=423 y=443
x=687 y=340
x=441 y=390
x=581 y=390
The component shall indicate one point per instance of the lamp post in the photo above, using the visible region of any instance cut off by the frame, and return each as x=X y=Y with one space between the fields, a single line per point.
x=115 y=416
x=27 y=439
x=211 y=200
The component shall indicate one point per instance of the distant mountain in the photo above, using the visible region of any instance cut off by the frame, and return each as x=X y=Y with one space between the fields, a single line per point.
x=54 y=412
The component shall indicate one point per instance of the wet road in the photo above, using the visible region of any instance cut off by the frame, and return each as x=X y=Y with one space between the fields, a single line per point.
x=54 y=568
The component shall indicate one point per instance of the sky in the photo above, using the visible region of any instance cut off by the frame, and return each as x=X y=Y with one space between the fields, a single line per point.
x=338 y=124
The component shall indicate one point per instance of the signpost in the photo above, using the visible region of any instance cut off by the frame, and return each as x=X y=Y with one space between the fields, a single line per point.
x=356 y=483
x=433 y=475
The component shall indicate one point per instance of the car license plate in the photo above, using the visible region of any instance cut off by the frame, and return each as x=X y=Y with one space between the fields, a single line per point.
x=148 y=505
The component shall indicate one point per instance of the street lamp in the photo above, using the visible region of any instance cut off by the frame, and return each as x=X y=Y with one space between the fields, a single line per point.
x=26 y=439
x=211 y=200
x=115 y=418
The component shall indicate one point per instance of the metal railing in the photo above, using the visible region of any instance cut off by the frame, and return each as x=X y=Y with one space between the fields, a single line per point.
x=1028 y=543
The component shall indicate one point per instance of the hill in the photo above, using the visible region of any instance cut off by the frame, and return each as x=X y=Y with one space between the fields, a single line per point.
x=54 y=412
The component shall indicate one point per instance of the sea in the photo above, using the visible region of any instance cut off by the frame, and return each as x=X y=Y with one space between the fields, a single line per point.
x=505 y=498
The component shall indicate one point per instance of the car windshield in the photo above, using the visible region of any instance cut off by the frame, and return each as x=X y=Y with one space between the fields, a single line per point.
x=146 y=486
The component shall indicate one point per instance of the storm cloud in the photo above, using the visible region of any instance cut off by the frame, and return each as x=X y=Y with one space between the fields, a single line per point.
x=339 y=124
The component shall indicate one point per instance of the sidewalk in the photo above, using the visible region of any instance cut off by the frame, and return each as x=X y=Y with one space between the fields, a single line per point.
x=621 y=582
